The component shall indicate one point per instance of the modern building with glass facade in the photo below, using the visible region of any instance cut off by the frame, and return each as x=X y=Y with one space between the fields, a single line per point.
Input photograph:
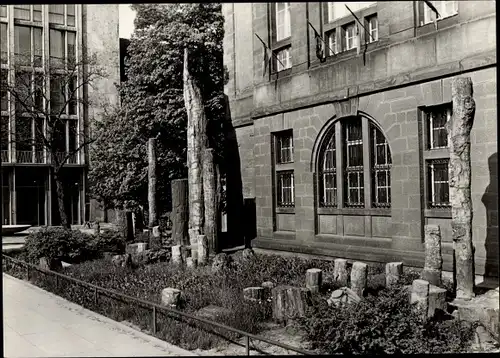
x=344 y=147
x=34 y=37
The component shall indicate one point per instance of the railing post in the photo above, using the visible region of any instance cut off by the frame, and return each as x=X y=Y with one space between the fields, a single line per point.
x=57 y=283
x=28 y=273
x=95 y=296
x=247 y=345
x=154 y=319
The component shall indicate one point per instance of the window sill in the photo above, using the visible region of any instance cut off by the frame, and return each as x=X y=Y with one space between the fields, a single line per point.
x=61 y=27
x=28 y=23
x=442 y=153
x=442 y=23
x=281 y=74
x=354 y=211
x=444 y=213
x=278 y=45
x=284 y=167
x=285 y=210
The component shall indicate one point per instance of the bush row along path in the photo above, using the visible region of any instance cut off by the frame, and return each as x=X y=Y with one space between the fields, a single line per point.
x=40 y=324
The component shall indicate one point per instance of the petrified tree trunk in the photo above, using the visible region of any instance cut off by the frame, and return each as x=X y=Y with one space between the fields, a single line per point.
x=433 y=258
x=289 y=302
x=459 y=176
x=196 y=143
x=180 y=215
x=60 y=201
x=314 y=279
x=153 y=220
x=210 y=199
x=218 y=178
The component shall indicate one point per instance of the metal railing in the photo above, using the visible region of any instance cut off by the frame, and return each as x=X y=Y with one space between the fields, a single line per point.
x=153 y=306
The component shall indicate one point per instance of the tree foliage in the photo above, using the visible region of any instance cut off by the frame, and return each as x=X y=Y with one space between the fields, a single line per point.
x=153 y=104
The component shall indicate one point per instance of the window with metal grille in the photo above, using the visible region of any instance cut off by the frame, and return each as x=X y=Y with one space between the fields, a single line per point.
x=284 y=147
x=283 y=26
x=354 y=163
x=285 y=187
x=437 y=134
x=328 y=174
x=439 y=190
x=381 y=169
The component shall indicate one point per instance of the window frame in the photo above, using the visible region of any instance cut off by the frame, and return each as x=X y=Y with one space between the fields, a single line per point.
x=426 y=15
x=280 y=189
x=287 y=26
x=277 y=66
x=364 y=172
x=282 y=168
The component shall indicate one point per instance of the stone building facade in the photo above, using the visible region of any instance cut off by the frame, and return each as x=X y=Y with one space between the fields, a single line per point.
x=55 y=32
x=346 y=154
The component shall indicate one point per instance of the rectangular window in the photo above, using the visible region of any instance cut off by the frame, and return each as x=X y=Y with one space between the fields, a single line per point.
x=37 y=46
x=3 y=43
x=70 y=15
x=57 y=48
x=332 y=42
x=59 y=134
x=3 y=10
x=72 y=96
x=436 y=123
x=57 y=94
x=22 y=12
x=438 y=183
x=22 y=44
x=285 y=59
x=39 y=92
x=37 y=13
x=444 y=8
x=56 y=14
x=284 y=147
x=283 y=26
x=371 y=25
x=3 y=90
x=286 y=192
x=24 y=139
x=71 y=36
x=354 y=163
x=381 y=169
x=5 y=132
x=39 y=144
x=349 y=36
x=338 y=10
x=24 y=93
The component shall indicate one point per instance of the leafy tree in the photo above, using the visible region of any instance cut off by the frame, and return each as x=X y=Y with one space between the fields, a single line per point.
x=45 y=99
x=153 y=104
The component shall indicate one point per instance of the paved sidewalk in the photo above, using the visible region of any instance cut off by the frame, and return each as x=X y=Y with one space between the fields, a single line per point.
x=37 y=323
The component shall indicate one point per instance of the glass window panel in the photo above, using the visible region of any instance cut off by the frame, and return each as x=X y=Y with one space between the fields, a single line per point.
x=22 y=12
x=72 y=96
x=70 y=15
x=3 y=90
x=37 y=13
x=39 y=144
x=381 y=178
x=24 y=132
x=57 y=94
x=72 y=134
x=4 y=132
x=38 y=46
x=24 y=94
x=3 y=10
x=56 y=40
x=332 y=43
x=22 y=44
x=39 y=90
x=71 y=46
x=3 y=43
x=59 y=134
x=56 y=14
x=372 y=29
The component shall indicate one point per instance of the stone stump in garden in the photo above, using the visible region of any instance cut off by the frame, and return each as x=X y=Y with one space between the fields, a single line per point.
x=313 y=279
x=393 y=271
x=170 y=297
x=191 y=262
x=221 y=261
x=136 y=248
x=420 y=294
x=156 y=231
x=359 y=278
x=254 y=294
x=203 y=249
x=176 y=255
x=433 y=258
x=437 y=300
x=340 y=275
x=289 y=302
x=52 y=264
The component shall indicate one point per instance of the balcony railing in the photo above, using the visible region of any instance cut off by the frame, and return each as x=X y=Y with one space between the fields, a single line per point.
x=37 y=157
x=5 y=156
x=72 y=159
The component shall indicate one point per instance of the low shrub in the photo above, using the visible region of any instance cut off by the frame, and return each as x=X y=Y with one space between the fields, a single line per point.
x=109 y=241
x=383 y=324
x=58 y=243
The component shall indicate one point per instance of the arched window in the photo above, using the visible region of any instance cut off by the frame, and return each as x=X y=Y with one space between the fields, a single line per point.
x=353 y=149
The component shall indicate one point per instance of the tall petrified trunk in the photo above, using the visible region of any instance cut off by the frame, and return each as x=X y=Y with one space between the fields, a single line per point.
x=460 y=181
x=210 y=199
x=153 y=220
x=60 y=201
x=218 y=211
x=180 y=213
x=196 y=143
